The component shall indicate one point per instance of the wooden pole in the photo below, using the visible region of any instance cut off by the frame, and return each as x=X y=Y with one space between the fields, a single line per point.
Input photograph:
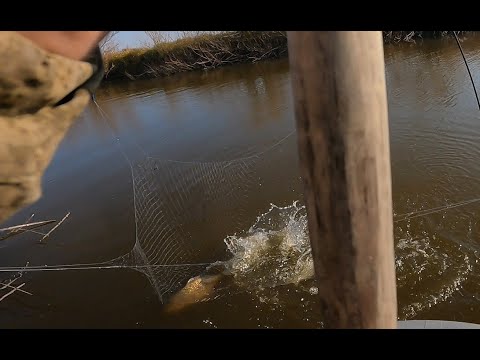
x=341 y=113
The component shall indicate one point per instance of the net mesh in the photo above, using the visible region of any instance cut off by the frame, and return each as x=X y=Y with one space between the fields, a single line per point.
x=173 y=202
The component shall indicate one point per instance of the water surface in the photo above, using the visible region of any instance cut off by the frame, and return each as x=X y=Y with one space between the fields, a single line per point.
x=210 y=153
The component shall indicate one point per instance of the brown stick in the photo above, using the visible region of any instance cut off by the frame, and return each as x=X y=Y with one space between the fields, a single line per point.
x=56 y=226
x=8 y=285
x=342 y=123
x=17 y=288
x=27 y=225
x=20 y=229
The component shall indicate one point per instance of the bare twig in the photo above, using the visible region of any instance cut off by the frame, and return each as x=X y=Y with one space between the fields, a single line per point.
x=56 y=226
x=108 y=70
x=14 y=231
x=156 y=37
x=4 y=286
x=108 y=45
x=30 y=225
x=12 y=291
x=20 y=273
x=29 y=219
x=8 y=284
x=129 y=76
x=18 y=229
x=14 y=288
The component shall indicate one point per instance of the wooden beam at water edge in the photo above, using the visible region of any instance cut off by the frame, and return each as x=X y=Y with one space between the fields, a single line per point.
x=341 y=113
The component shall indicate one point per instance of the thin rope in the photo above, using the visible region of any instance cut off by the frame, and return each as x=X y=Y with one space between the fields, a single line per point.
x=229 y=161
x=106 y=117
x=92 y=266
x=117 y=138
x=100 y=266
x=419 y=213
x=468 y=68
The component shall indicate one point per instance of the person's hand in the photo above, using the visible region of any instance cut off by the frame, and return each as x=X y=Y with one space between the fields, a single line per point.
x=72 y=44
x=38 y=72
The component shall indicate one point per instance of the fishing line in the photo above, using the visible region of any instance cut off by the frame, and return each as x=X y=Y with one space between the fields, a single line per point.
x=468 y=68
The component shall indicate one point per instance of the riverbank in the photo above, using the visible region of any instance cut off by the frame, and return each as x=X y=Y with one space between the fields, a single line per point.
x=202 y=52
x=411 y=36
x=208 y=51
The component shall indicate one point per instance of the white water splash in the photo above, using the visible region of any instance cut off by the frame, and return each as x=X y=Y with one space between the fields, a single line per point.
x=275 y=251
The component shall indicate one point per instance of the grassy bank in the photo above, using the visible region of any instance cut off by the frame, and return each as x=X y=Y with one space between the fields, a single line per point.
x=410 y=36
x=208 y=51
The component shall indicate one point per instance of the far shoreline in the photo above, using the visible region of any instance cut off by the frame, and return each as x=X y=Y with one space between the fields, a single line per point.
x=210 y=51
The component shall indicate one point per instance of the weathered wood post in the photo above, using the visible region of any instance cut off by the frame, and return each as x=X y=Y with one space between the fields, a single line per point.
x=342 y=122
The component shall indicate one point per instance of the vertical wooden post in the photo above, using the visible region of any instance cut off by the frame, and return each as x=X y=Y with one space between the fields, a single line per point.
x=342 y=122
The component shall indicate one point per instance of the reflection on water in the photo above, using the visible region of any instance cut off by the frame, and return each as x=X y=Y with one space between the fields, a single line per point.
x=218 y=155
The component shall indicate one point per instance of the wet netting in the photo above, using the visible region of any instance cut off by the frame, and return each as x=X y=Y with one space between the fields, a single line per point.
x=175 y=201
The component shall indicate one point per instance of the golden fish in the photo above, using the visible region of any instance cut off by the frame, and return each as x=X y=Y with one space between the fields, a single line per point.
x=198 y=288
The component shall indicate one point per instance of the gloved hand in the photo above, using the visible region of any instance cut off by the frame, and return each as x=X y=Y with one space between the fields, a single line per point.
x=41 y=95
